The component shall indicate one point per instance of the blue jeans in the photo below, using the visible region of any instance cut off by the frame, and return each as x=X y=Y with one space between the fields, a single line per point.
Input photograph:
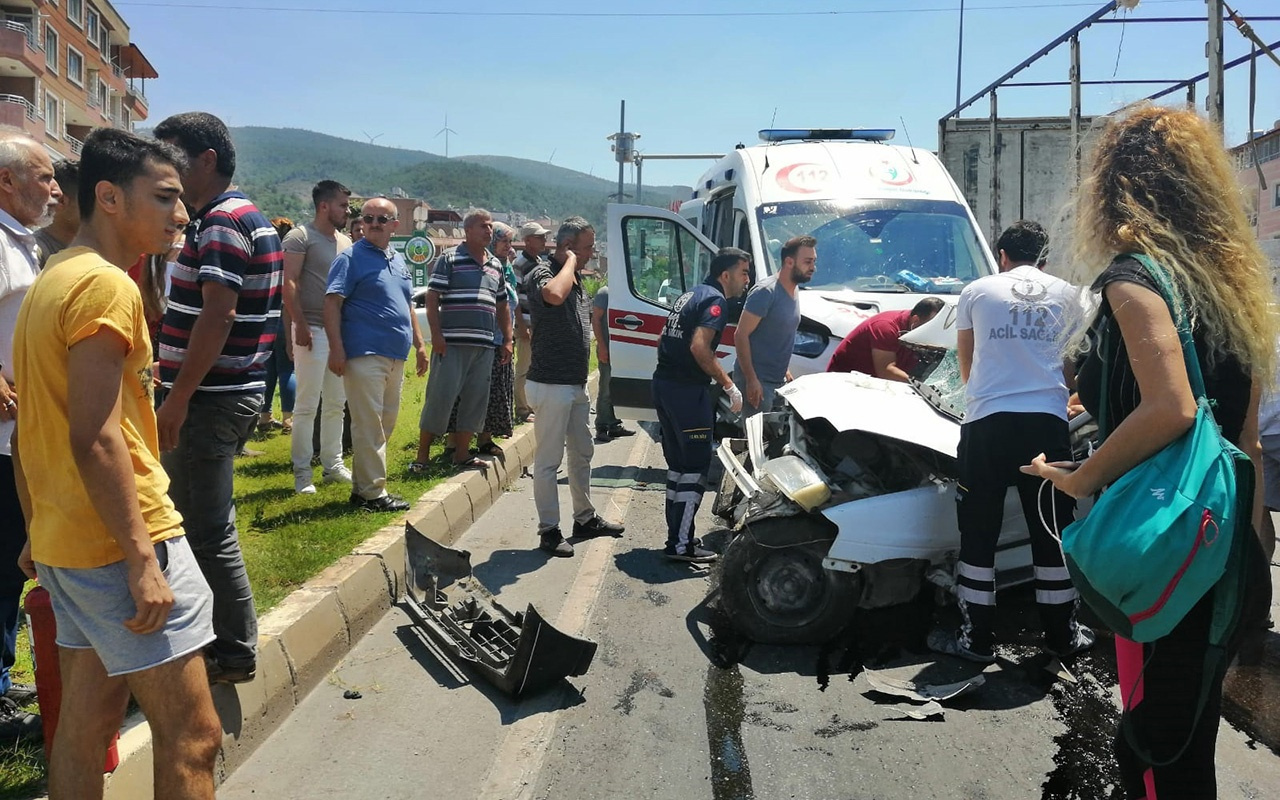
x=280 y=372
x=12 y=538
x=201 y=471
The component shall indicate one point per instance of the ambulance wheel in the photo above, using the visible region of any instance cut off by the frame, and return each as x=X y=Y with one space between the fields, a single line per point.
x=774 y=589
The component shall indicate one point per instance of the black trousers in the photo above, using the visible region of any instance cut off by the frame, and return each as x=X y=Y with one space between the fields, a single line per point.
x=991 y=451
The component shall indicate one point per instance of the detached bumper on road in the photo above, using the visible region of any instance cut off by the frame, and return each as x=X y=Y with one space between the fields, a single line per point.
x=518 y=653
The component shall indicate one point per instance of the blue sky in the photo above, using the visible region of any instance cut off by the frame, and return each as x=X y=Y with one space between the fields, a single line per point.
x=542 y=80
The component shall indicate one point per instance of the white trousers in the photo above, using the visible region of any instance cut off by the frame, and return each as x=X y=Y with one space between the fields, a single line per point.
x=562 y=419
x=315 y=381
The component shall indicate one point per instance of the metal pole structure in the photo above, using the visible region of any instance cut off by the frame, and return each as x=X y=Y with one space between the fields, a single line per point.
x=1213 y=52
x=1075 y=104
x=995 y=169
x=622 y=127
x=959 y=53
x=639 y=181
x=1191 y=95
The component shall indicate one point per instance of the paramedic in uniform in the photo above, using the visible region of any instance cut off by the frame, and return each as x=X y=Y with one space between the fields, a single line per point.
x=1008 y=327
x=682 y=396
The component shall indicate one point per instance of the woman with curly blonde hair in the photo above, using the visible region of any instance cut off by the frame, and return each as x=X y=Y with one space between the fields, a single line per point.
x=1160 y=184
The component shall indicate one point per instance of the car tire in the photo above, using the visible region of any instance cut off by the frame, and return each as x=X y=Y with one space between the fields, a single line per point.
x=774 y=589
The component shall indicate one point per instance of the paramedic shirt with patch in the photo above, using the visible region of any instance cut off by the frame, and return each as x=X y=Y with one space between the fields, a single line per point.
x=702 y=307
x=1016 y=318
x=230 y=243
x=470 y=294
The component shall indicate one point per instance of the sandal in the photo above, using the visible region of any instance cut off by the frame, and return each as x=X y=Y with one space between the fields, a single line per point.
x=471 y=462
x=490 y=449
x=418 y=468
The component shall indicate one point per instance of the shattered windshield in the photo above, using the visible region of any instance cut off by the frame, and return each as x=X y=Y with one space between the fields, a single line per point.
x=924 y=246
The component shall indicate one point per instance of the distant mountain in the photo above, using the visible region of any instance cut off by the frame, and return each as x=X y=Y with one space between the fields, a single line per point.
x=277 y=167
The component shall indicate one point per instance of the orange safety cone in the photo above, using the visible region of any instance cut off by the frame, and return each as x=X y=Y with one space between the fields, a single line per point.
x=44 y=634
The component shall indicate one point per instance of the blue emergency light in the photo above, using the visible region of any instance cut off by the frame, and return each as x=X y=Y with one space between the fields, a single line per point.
x=826 y=134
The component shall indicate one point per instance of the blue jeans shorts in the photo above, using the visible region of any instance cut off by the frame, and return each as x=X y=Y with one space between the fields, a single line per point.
x=92 y=605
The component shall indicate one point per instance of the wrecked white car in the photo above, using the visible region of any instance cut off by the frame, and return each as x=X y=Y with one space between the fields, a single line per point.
x=845 y=499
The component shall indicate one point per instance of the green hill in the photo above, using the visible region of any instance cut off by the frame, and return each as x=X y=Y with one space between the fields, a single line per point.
x=278 y=166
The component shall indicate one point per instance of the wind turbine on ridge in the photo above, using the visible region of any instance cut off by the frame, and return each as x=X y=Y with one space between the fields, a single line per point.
x=446 y=130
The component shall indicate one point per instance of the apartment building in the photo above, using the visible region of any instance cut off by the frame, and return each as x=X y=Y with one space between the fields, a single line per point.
x=1261 y=182
x=67 y=67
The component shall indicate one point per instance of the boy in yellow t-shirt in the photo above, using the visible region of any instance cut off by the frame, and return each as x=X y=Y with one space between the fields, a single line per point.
x=132 y=607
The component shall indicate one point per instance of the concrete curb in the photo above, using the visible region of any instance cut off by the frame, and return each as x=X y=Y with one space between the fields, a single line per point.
x=301 y=640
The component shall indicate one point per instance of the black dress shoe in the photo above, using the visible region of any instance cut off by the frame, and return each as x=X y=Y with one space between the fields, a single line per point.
x=221 y=674
x=551 y=541
x=388 y=502
x=596 y=526
x=618 y=431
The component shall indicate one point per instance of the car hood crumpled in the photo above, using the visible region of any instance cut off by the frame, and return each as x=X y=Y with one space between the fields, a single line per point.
x=853 y=401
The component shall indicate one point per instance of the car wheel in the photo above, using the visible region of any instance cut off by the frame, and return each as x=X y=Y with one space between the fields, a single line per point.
x=774 y=589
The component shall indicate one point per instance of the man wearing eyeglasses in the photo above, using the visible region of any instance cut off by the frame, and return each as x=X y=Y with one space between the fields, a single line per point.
x=370 y=324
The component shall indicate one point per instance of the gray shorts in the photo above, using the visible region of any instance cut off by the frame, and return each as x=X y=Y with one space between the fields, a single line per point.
x=1271 y=471
x=463 y=376
x=92 y=605
x=769 y=390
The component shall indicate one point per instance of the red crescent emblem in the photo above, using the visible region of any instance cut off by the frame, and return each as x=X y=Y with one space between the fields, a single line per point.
x=715 y=311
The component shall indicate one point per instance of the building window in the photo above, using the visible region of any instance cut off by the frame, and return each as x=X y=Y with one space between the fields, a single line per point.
x=75 y=12
x=50 y=48
x=1275 y=199
x=51 y=114
x=75 y=66
x=91 y=25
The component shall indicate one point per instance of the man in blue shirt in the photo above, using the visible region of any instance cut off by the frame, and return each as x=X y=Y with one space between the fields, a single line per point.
x=370 y=325
x=686 y=359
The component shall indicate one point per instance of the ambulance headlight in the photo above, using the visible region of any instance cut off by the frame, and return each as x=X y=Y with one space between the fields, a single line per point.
x=809 y=344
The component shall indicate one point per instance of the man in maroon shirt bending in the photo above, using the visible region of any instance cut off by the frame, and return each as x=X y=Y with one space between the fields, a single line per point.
x=873 y=347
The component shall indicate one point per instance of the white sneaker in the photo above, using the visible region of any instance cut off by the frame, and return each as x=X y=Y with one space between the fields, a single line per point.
x=303 y=485
x=339 y=475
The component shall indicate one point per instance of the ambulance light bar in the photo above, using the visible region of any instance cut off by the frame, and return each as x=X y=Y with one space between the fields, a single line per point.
x=829 y=134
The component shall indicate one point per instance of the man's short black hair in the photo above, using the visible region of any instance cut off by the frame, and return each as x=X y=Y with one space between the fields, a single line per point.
x=1024 y=241
x=118 y=157
x=927 y=308
x=794 y=244
x=727 y=259
x=67 y=173
x=197 y=131
x=327 y=191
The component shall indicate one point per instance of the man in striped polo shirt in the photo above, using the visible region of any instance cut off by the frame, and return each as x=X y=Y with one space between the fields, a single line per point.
x=217 y=334
x=466 y=307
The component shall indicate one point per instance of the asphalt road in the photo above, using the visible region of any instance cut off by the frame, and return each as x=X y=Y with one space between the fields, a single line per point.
x=676 y=707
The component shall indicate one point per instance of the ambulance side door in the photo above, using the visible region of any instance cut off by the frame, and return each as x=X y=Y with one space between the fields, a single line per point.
x=654 y=257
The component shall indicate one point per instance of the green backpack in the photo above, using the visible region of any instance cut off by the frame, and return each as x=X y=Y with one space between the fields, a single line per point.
x=1170 y=530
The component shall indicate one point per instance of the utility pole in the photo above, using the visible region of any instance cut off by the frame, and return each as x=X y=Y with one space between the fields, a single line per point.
x=624 y=150
x=1213 y=101
x=959 y=53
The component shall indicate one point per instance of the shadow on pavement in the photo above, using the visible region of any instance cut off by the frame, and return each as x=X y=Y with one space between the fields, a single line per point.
x=504 y=567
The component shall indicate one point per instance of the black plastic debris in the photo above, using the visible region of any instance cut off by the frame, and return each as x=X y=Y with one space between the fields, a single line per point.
x=351 y=694
x=518 y=653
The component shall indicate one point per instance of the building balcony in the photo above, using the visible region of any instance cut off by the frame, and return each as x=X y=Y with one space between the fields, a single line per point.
x=135 y=101
x=75 y=144
x=18 y=48
x=20 y=112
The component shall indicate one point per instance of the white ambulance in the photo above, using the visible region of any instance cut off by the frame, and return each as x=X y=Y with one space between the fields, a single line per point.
x=892 y=229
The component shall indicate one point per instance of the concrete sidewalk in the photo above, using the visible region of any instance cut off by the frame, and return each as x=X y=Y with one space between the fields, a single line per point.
x=302 y=639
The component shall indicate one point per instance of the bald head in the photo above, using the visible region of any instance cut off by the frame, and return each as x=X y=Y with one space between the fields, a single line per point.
x=380 y=222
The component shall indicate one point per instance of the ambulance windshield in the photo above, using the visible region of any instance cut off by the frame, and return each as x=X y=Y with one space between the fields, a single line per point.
x=923 y=246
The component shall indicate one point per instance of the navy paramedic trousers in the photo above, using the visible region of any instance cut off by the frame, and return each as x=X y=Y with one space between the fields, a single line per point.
x=687 y=418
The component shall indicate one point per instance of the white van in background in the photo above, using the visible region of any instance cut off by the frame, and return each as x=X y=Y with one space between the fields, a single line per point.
x=892 y=228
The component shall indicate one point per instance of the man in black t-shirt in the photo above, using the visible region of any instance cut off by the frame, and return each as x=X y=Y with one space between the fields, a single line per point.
x=557 y=387
x=682 y=396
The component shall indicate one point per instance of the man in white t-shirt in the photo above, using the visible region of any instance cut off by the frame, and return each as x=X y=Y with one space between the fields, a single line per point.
x=1008 y=342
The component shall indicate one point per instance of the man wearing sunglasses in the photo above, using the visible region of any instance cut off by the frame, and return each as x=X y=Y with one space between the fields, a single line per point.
x=370 y=324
